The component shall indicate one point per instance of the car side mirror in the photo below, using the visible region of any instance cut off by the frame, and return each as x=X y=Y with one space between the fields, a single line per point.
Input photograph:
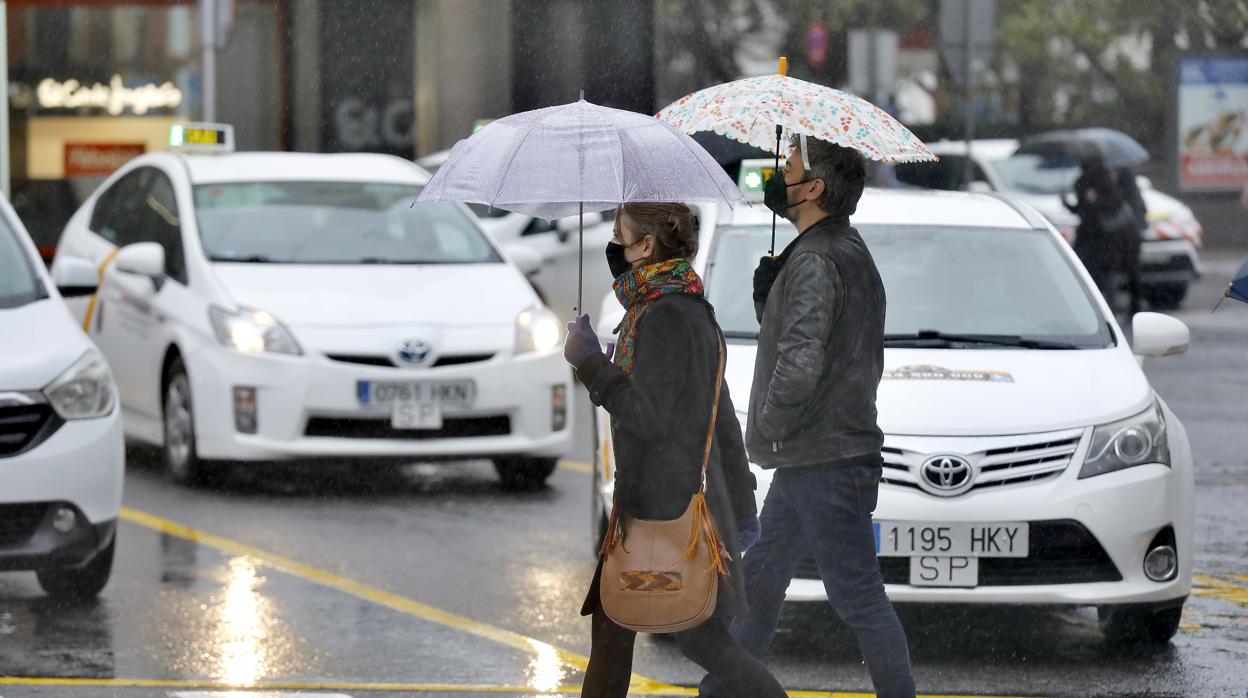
x=568 y=225
x=75 y=277
x=142 y=258
x=526 y=260
x=1143 y=182
x=1154 y=334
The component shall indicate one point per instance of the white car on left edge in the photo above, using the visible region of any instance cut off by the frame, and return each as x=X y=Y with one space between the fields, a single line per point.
x=288 y=306
x=61 y=452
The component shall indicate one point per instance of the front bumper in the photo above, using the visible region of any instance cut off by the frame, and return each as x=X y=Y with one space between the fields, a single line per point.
x=1168 y=262
x=28 y=540
x=81 y=463
x=1123 y=512
x=308 y=407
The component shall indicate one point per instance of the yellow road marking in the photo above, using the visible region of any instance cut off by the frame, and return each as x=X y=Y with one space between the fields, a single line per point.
x=380 y=686
x=577 y=466
x=375 y=595
x=1223 y=589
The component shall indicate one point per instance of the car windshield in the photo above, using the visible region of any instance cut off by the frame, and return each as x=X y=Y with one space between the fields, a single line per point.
x=333 y=223
x=18 y=283
x=948 y=287
x=1032 y=174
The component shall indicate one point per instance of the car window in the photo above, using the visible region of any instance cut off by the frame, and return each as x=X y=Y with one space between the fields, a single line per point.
x=334 y=223
x=1033 y=174
x=949 y=173
x=538 y=226
x=156 y=220
x=484 y=211
x=978 y=281
x=113 y=216
x=19 y=284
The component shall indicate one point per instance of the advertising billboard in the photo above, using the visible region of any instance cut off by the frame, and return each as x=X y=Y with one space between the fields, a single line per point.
x=1213 y=118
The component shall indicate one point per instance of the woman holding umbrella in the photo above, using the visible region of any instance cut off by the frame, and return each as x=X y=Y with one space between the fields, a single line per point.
x=660 y=391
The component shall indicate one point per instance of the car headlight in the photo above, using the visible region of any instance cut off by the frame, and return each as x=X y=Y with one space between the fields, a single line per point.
x=1135 y=441
x=537 y=329
x=85 y=390
x=252 y=331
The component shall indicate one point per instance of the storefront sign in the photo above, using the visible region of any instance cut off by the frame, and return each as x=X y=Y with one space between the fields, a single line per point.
x=1213 y=118
x=114 y=97
x=99 y=159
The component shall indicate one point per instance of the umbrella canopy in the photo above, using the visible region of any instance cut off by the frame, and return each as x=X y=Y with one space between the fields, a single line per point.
x=1238 y=288
x=749 y=111
x=1116 y=148
x=559 y=161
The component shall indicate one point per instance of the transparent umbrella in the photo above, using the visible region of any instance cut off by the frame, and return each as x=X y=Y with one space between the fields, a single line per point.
x=578 y=157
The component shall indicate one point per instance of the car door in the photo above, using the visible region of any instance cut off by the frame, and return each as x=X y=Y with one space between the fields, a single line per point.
x=133 y=313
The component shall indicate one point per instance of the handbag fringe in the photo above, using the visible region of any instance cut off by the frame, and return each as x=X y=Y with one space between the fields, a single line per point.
x=704 y=525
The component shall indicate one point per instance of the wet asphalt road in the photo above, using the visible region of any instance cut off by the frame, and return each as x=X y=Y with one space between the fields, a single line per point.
x=434 y=582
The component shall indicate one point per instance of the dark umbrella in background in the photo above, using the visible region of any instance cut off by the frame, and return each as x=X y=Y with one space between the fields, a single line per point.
x=1238 y=288
x=1116 y=148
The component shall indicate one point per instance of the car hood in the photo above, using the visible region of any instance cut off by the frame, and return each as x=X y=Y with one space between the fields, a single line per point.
x=50 y=342
x=355 y=295
x=951 y=392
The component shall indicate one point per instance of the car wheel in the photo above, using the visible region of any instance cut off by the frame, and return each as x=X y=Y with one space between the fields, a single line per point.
x=1133 y=625
x=181 y=459
x=83 y=582
x=523 y=474
x=1165 y=296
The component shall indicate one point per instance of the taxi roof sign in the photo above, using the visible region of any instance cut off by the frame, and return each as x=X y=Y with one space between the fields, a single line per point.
x=753 y=176
x=202 y=138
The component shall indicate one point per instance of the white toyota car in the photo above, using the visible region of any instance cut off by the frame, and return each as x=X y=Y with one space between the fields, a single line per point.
x=288 y=306
x=1027 y=460
x=61 y=451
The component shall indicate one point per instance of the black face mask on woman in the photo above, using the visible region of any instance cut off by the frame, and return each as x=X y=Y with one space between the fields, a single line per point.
x=616 y=261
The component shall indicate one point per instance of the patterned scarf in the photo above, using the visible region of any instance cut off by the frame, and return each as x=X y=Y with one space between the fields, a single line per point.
x=637 y=289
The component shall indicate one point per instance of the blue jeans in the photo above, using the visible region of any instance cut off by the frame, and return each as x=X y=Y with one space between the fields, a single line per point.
x=826 y=511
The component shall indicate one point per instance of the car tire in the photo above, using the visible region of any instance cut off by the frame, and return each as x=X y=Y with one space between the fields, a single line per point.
x=83 y=582
x=1134 y=625
x=524 y=474
x=181 y=459
x=1165 y=296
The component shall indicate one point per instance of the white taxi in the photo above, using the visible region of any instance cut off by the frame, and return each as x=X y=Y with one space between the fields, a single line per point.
x=288 y=306
x=1027 y=460
x=61 y=454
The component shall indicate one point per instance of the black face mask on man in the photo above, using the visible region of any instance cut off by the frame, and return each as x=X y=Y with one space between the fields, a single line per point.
x=617 y=262
x=776 y=194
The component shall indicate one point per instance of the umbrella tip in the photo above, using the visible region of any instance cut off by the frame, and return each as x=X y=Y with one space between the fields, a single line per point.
x=784 y=65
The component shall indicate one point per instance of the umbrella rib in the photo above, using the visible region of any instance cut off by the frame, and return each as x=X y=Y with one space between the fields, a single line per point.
x=503 y=178
x=685 y=142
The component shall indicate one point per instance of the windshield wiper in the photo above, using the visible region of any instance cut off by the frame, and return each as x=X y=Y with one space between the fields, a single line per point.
x=250 y=259
x=935 y=338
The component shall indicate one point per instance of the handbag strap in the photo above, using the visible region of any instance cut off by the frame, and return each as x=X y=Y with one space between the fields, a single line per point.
x=710 y=430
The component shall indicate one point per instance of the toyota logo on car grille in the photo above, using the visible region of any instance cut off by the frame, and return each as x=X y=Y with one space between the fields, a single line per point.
x=414 y=352
x=946 y=475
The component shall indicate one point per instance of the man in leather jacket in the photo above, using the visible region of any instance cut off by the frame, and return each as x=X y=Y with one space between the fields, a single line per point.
x=812 y=415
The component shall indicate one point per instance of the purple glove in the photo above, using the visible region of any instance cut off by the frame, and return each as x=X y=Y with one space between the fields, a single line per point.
x=581 y=343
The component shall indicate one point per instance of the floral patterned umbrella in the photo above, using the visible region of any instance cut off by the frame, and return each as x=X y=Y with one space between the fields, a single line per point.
x=750 y=111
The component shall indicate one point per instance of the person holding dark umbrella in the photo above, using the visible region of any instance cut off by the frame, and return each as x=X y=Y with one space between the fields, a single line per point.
x=1108 y=237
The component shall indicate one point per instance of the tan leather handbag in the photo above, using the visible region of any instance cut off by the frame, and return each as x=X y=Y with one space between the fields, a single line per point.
x=663 y=576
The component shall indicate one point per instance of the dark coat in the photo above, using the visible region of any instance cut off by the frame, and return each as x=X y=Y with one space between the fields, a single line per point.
x=820 y=355
x=663 y=409
x=1100 y=195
